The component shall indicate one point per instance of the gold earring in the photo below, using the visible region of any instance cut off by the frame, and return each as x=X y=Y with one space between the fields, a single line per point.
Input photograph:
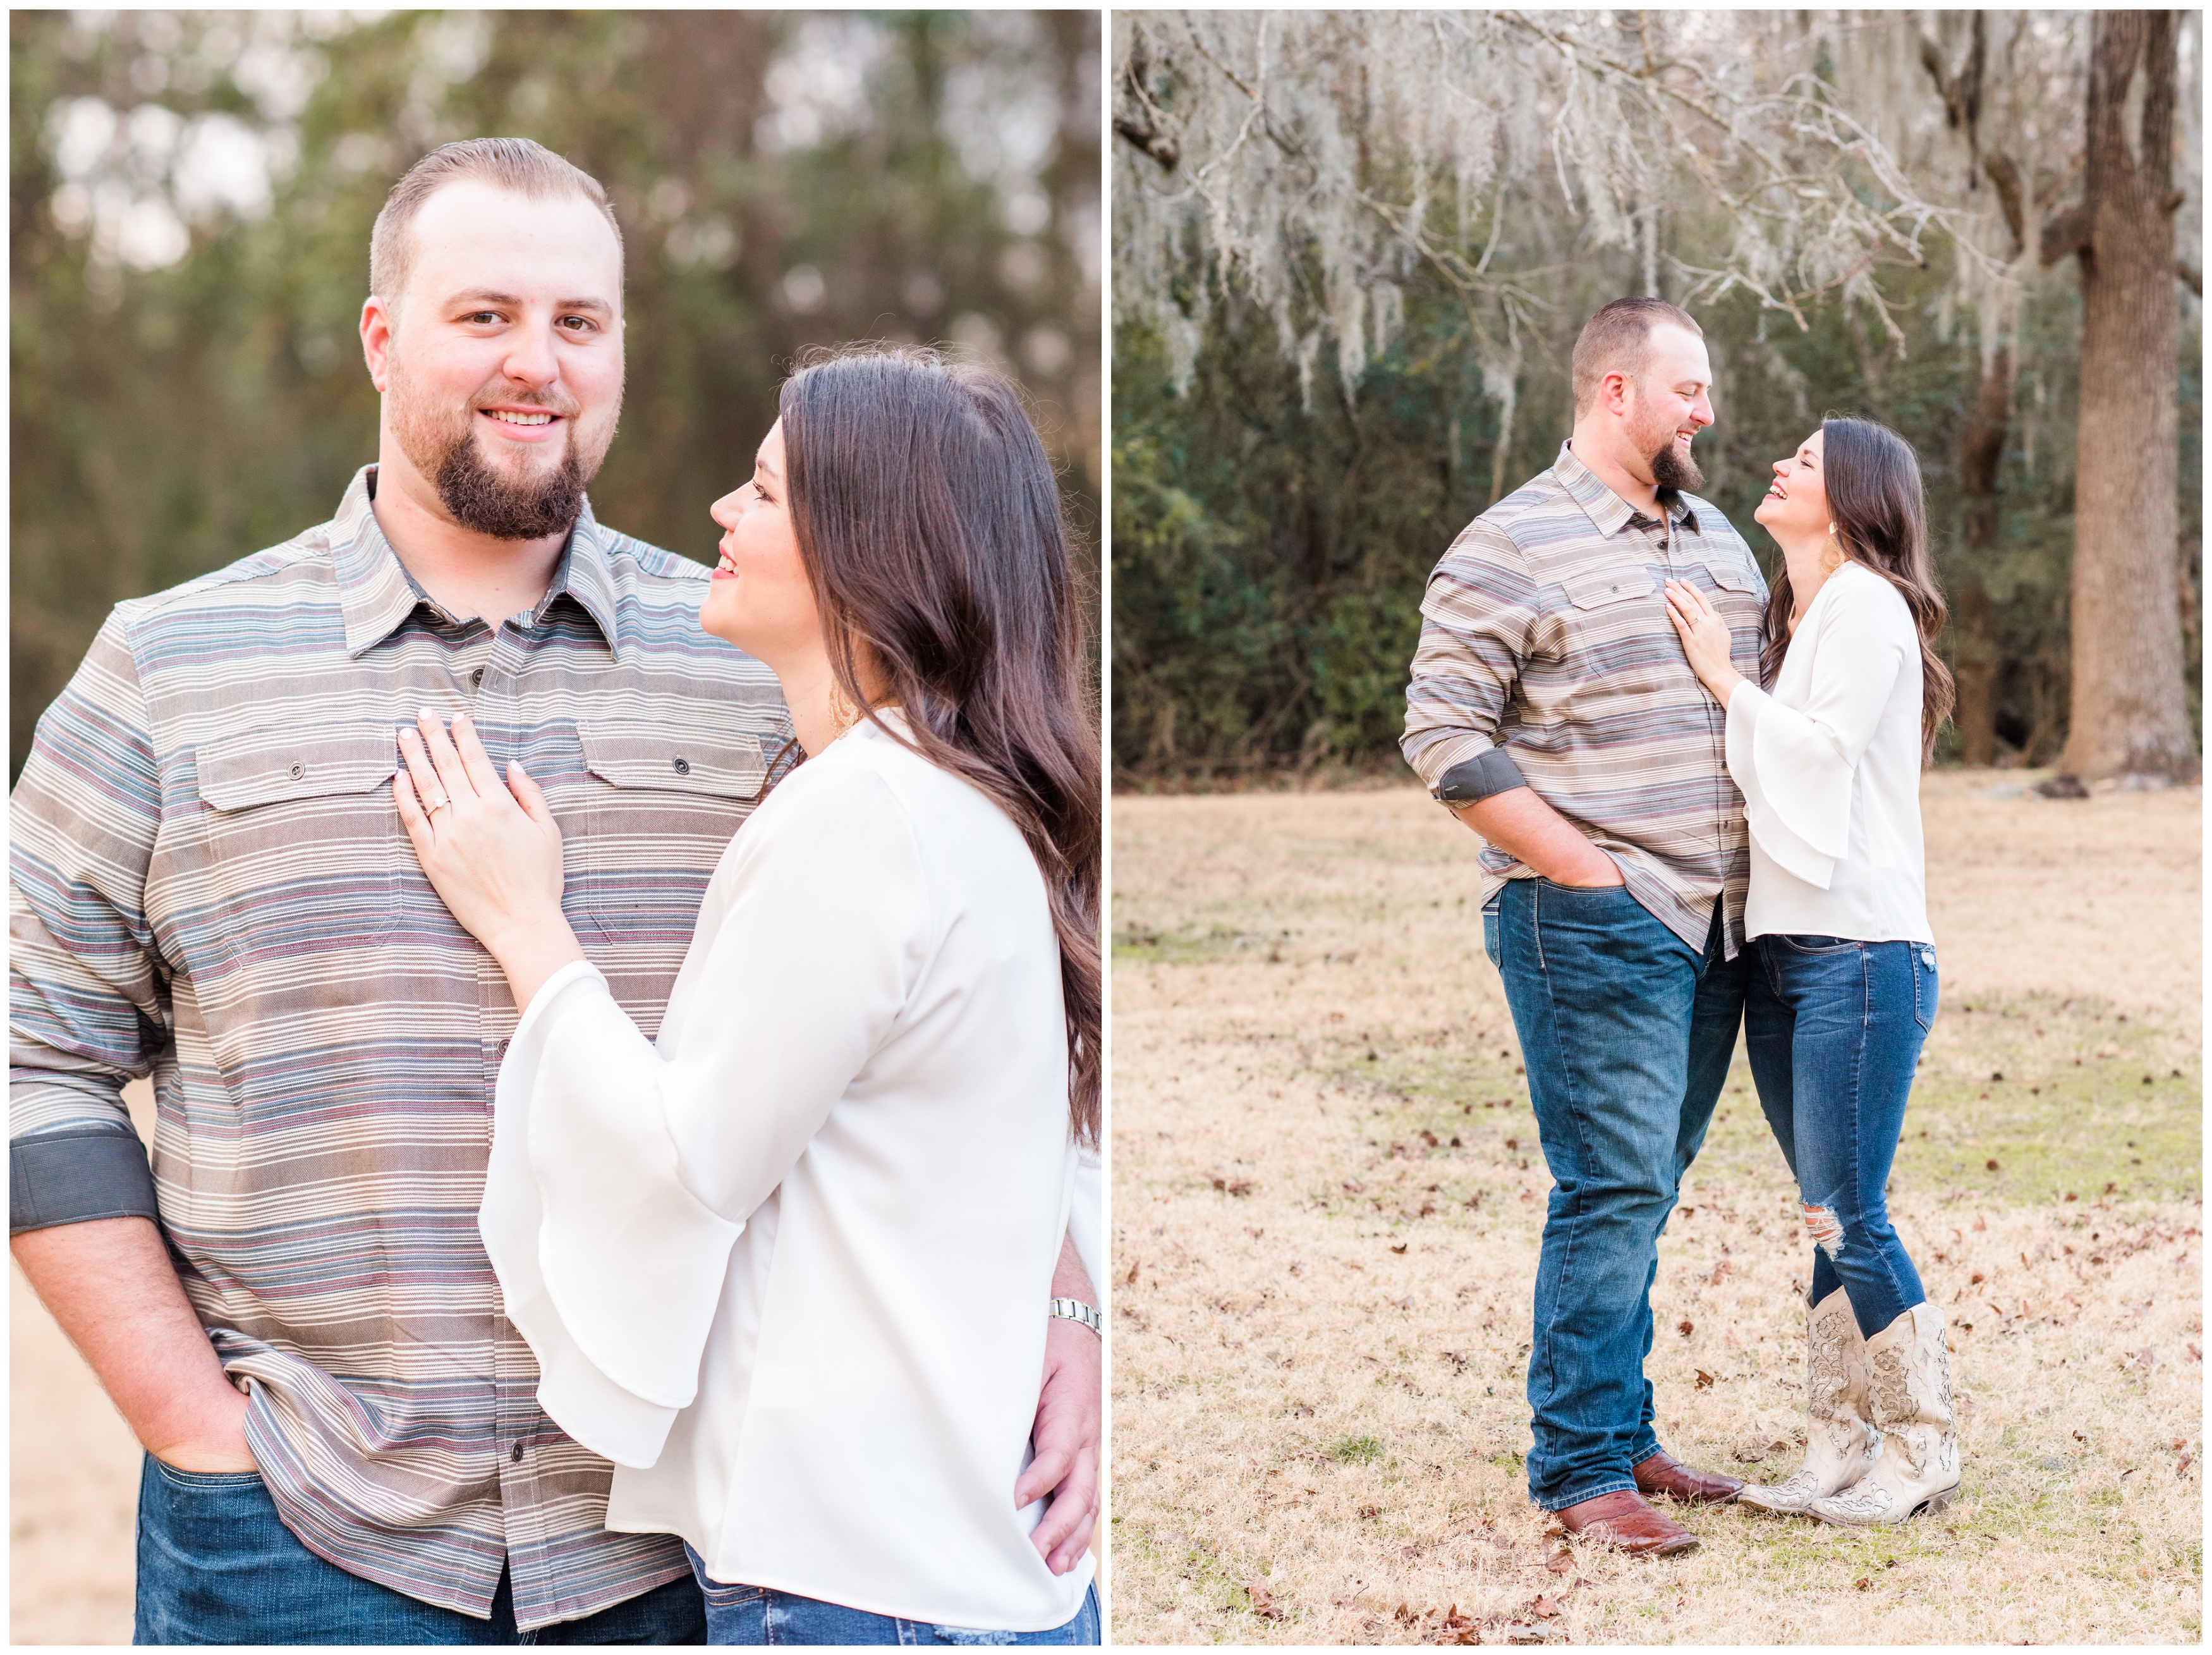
x=844 y=715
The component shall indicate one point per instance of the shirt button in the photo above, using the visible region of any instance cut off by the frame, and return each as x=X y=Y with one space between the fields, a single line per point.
x=299 y=772
x=501 y=1054
x=683 y=767
x=517 y=1455
x=477 y=677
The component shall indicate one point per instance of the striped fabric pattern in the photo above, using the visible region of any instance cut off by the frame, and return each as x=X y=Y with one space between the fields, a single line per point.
x=1544 y=631
x=210 y=885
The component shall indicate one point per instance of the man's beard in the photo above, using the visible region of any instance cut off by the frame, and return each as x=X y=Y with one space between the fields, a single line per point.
x=506 y=508
x=476 y=496
x=1676 y=472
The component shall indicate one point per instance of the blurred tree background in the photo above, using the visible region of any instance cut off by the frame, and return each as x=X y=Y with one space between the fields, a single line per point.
x=190 y=203
x=1352 y=253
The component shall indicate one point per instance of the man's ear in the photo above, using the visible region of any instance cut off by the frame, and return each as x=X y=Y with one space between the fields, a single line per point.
x=1616 y=391
x=376 y=322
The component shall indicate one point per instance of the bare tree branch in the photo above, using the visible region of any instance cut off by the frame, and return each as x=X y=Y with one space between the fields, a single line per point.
x=2065 y=232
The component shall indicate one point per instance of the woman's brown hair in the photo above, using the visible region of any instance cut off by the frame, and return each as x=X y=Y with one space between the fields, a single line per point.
x=1880 y=515
x=931 y=525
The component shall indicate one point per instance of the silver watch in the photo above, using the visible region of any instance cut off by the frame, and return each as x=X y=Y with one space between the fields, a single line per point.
x=1075 y=1309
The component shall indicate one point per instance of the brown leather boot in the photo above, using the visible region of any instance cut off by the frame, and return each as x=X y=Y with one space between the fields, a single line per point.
x=1623 y=1521
x=1662 y=1473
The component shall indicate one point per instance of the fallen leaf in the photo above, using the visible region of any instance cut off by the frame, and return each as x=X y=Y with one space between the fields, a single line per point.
x=1400 y=1247
x=1560 y=1561
x=1686 y=1327
x=2147 y=1356
x=1863 y=1584
x=1704 y=1380
x=1130 y=1279
x=1263 y=1602
x=1544 y=1609
x=2182 y=1469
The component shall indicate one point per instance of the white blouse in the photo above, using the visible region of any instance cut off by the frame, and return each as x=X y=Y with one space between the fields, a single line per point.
x=1829 y=766
x=787 y=1266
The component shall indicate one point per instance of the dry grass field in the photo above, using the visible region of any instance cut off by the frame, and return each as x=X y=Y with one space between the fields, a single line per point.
x=1327 y=1203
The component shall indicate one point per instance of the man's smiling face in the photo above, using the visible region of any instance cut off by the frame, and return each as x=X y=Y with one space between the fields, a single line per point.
x=503 y=378
x=1672 y=403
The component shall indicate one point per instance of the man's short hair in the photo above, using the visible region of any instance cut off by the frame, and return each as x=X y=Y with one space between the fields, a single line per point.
x=518 y=165
x=1616 y=341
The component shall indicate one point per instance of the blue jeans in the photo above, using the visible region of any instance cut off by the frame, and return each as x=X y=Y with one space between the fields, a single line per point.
x=217 y=1566
x=753 y=1614
x=1833 y=1028
x=1626 y=1032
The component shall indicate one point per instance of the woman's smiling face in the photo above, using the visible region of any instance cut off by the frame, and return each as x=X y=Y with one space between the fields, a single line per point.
x=761 y=598
x=1796 y=504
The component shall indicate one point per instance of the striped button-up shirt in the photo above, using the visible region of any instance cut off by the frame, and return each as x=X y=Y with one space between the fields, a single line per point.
x=209 y=885
x=1545 y=637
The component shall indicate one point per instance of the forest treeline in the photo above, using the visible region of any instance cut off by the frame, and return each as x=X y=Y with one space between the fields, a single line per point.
x=1275 y=517
x=191 y=196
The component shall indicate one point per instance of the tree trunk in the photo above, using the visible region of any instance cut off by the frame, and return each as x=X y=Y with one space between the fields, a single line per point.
x=2127 y=709
x=1974 y=653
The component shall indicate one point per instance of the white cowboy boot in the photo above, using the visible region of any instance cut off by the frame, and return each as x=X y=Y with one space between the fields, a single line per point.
x=1841 y=1445
x=1918 y=1470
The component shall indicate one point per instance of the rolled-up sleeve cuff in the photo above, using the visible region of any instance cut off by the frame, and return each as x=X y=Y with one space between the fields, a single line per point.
x=75 y=1175
x=1473 y=780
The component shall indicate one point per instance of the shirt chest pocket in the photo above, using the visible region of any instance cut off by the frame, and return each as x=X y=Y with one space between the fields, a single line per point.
x=1740 y=601
x=656 y=809
x=300 y=846
x=1607 y=625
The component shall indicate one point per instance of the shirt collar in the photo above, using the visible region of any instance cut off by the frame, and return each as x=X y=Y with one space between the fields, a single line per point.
x=376 y=593
x=1608 y=509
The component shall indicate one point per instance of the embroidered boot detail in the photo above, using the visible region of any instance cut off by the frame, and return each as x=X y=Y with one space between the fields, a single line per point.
x=1919 y=1469
x=1841 y=1443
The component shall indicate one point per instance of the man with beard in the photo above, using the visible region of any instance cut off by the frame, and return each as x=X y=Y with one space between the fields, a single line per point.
x=209 y=885
x=1553 y=710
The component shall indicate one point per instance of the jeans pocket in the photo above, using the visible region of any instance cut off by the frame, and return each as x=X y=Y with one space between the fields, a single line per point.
x=1490 y=927
x=1927 y=986
x=204 y=1482
x=1810 y=945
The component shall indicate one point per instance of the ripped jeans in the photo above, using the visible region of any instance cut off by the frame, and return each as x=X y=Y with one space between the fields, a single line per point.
x=1832 y=1028
x=753 y=1614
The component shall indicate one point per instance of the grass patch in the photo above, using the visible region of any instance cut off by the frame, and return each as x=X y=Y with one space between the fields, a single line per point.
x=1146 y=945
x=2067 y=1096
x=1356 y=1451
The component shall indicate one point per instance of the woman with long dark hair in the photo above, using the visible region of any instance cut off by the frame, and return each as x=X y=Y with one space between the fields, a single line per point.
x=788 y=1265
x=1843 y=988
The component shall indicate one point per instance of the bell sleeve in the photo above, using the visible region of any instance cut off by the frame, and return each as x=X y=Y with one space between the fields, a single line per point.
x=1795 y=765
x=622 y=1174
